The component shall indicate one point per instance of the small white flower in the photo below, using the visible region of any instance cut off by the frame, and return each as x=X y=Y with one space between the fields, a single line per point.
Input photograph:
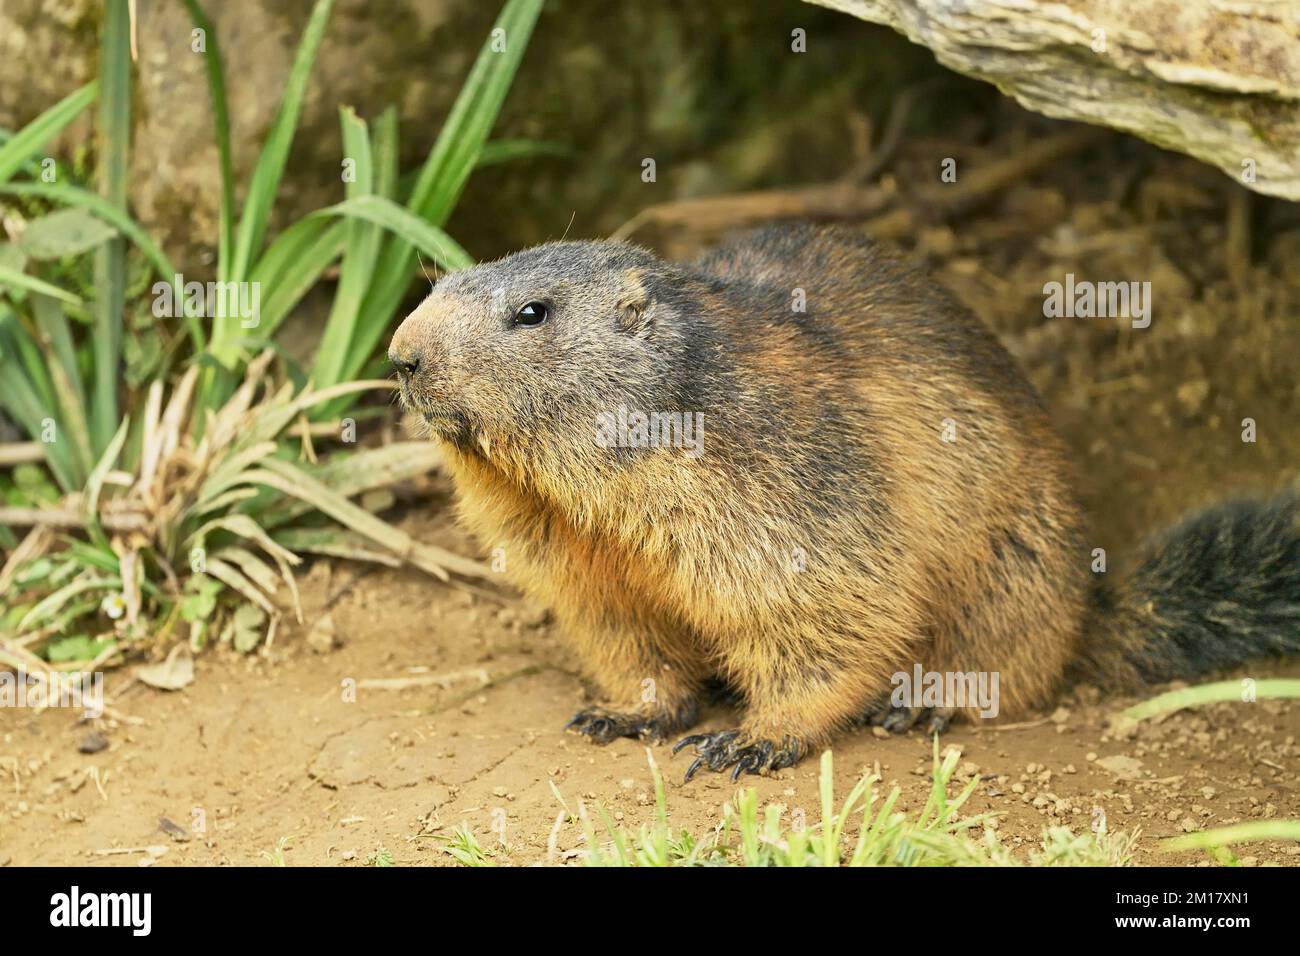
x=114 y=605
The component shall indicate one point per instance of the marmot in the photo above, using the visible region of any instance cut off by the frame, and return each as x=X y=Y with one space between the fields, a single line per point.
x=874 y=486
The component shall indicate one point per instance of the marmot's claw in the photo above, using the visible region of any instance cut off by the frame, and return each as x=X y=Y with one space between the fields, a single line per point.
x=730 y=748
x=602 y=725
x=939 y=721
x=899 y=720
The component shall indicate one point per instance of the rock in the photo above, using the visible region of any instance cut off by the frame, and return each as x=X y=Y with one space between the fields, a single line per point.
x=92 y=743
x=1126 y=768
x=173 y=830
x=323 y=636
x=1218 y=81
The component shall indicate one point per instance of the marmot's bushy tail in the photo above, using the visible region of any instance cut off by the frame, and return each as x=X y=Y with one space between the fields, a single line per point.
x=1220 y=587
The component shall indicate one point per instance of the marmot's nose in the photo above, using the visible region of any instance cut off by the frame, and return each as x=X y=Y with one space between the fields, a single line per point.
x=407 y=364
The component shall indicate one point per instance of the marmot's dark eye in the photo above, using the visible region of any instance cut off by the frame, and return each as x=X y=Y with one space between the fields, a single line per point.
x=534 y=313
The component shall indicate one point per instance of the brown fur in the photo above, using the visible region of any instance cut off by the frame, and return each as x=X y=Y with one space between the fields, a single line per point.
x=827 y=538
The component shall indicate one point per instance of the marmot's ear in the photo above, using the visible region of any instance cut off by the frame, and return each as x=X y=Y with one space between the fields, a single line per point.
x=635 y=304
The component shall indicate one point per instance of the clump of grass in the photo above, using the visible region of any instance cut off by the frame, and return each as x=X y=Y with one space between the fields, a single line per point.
x=384 y=220
x=159 y=517
x=939 y=835
x=192 y=520
x=463 y=845
x=276 y=857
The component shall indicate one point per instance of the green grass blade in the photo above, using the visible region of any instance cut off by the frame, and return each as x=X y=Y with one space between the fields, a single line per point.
x=49 y=605
x=292 y=264
x=356 y=147
x=454 y=155
x=11 y=277
x=113 y=141
x=23 y=398
x=1219 y=692
x=1253 y=831
x=413 y=230
x=474 y=113
x=265 y=181
x=221 y=124
x=33 y=137
x=498 y=151
x=361 y=251
x=35 y=365
x=61 y=357
x=384 y=151
x=336 y=363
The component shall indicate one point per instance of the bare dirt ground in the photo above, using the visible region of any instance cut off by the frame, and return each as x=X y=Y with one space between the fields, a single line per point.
x=459 y=701
x=268 y=753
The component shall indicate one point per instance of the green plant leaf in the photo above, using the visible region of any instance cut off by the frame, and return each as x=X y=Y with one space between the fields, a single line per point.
x=248 y=625
x=199 y=599
x=221 y=127
x=33 y=137
x=117 y=218
x=292 y=264
x=474 y=113
x=447 y=167
x=78 y=648
x=49 y=605
x=265 y=180
x=95 y=483
x=1213 y=693
x=57 y=345
x=362 y=249
x=79 y=198
x=1252 y=831
x=113 y=144
x=429 y=239
x=29 y=399
x=65 y=232
x=497 y=151
x=385 y=154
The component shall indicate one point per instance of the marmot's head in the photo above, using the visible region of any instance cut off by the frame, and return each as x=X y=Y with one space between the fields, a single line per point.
x=537 y=345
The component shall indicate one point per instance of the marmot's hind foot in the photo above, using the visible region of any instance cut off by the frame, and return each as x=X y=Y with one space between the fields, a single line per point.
x=899 y=720
x=603 y=726
x=726 y=748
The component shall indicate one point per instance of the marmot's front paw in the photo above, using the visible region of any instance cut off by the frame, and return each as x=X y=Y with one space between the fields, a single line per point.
x=721 y=750
x=602 y=726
